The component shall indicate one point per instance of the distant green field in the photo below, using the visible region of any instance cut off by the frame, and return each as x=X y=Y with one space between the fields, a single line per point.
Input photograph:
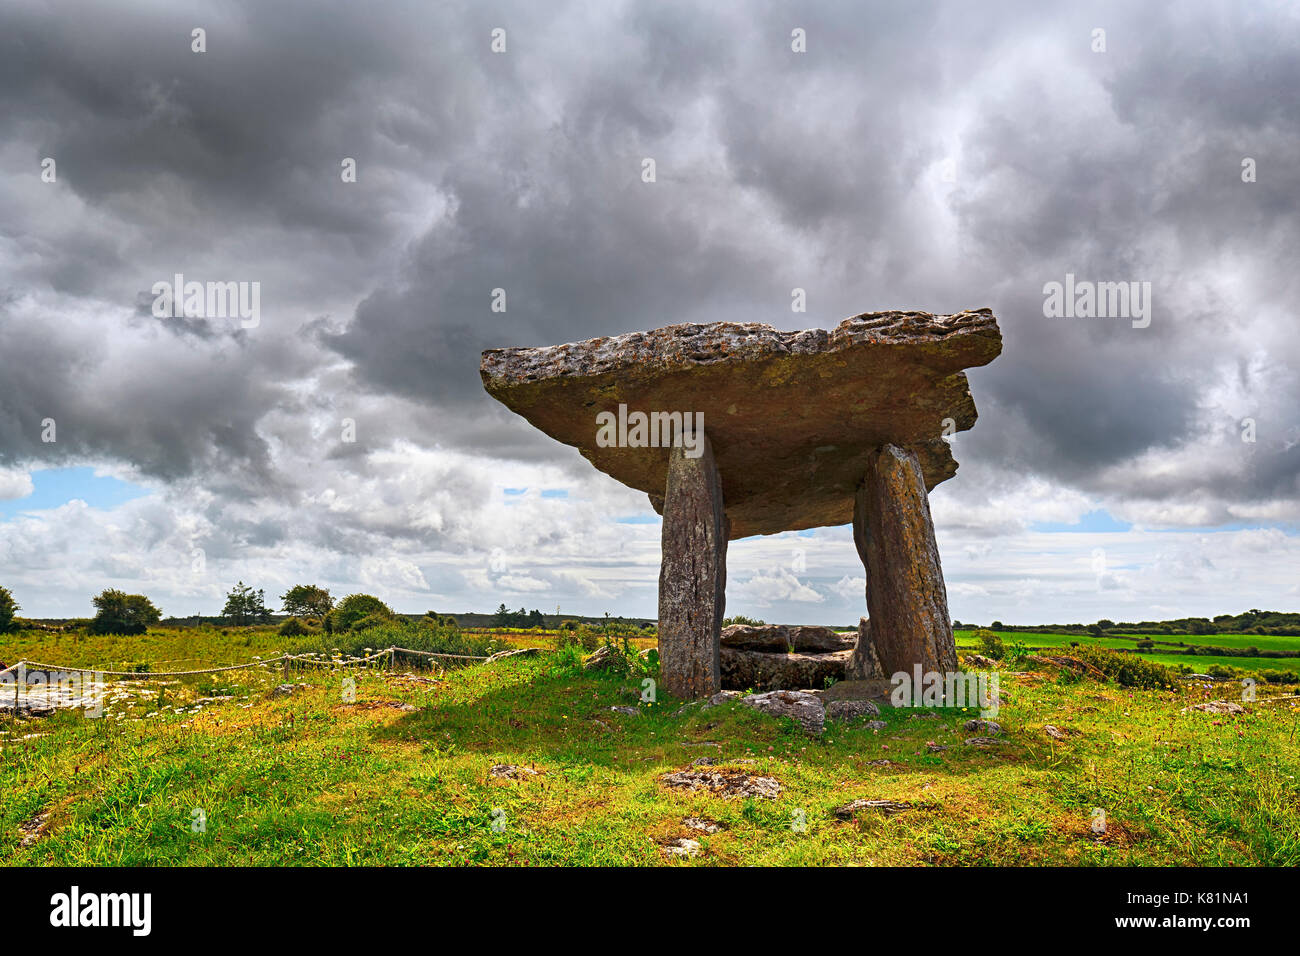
x=1163 y=653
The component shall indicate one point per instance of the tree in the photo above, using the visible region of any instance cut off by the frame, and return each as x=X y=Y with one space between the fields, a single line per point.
x=120 y=613
x=502 y=617
x=536 y=618
x=307 y=600
x=356 y=607
x=246 y=606
x=8 y=608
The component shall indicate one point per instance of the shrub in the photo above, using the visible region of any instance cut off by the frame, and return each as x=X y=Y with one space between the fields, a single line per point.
x=354 y=608
x=293 y=628
x=1128 y=670
x=424 y=636
x=1145 y=645
x=1221 y=672
x=588 y=638
x=741 y=619
x=990 y=644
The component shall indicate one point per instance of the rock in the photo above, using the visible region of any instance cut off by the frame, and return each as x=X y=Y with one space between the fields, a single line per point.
x=819 y=640
x=285 y=690
x=604 y=658
x=510 y=771
x=1217 y=707
x=979 y=660
x=793 y=416
x=1055 y=732
x=894 y=534
x=704 y=761
x=626 y=709
x=692 y=573
x=756 y=637
x=887 y=807
x=864 y=664
x=682 y=847
x=403 y=707
x=721 y=697
x=764 y=670
x=983 y=726
x=877 y=691
x=882 y=762
x=723 y=782
x=846 y=710
x=804 y=708
x=934 y=748
x=984 y=742
x=876 y=725
x=517 y=652
x=703 y=825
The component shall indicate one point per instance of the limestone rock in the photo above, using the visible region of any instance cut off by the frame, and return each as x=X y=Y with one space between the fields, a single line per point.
x=846 y=710
x=864 y=664
x=604 y=658
x=819 y=640
x=682 y=847
x=692 y=576
x=760 y=637
x=877 y=691
x=990 y=727
x=906 y=597
x=793 y=416
x=510 y=771
x=802 y=707
x=703 y=825
x=887 y=807
x=1217 y=707
x=764 y=670
x=723 y=782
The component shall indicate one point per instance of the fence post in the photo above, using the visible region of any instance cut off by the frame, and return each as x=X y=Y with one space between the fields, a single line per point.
x=392 y=657
x=284 y=660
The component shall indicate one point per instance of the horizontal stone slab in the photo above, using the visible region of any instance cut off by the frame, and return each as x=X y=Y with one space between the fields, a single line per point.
x=792 y=416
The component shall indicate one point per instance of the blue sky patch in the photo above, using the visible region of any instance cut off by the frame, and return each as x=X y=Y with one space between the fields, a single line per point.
x=53 y=487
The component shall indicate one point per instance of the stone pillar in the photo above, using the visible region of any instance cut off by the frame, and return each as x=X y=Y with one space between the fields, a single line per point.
x=692 y=575
x=906 y=597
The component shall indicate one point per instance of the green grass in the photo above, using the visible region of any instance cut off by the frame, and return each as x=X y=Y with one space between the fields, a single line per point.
x=310 y=779
x=1164 y=653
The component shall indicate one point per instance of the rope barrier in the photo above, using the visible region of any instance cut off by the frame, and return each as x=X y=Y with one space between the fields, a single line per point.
x=280 y=659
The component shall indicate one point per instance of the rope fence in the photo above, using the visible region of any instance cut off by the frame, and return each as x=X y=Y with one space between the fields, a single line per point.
x=282 y=659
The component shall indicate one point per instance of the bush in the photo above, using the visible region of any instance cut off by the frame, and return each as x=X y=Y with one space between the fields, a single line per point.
x=1221 y=672
x=1128 y=670
x=1279 y=677
x=293 y=628
x=424 y=636
x=990 y=644
x=588 y=638
x=354 y=608
x=741 y=619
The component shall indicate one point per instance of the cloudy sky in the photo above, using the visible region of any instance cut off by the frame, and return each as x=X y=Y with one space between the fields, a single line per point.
x=916 y=156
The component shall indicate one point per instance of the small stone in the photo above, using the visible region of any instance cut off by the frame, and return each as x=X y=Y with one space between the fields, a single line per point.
x=285 y=690
x=984 y=742
x=682 y=847
x=991 y=727
x=626 y=709
x=603 y=659
x=1217 y=707
x=802 y=707
x=846 y=710
x=510 y=771
x=1055 y=732
x=887 y=807
x=703 y=825
x=876 y=725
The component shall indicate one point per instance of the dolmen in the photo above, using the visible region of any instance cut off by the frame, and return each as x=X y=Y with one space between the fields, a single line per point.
x=738 y=429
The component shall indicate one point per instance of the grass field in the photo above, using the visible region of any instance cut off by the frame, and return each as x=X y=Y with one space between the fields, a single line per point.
x=1167 y=652
x=401 y=775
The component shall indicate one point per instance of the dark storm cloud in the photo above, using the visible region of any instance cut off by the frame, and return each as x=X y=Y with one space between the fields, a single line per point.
x=521 y=171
